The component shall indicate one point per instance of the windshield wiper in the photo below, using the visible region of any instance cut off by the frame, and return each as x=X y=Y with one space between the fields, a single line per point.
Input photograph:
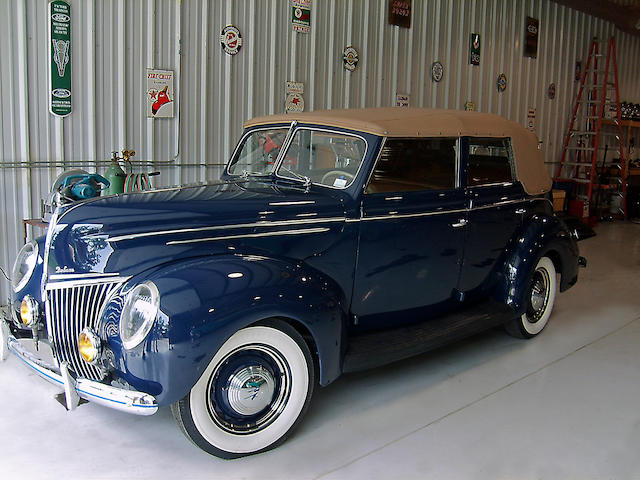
x=246 y=174
x=304 y=178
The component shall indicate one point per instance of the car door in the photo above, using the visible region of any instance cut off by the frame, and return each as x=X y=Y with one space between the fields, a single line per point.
x=495 y=202
x=411 y=232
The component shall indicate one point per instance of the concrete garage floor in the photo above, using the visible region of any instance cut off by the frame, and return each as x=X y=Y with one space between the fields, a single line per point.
x=564 y=405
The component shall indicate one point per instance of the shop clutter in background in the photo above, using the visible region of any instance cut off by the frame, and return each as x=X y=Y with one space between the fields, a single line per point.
x=630 y=111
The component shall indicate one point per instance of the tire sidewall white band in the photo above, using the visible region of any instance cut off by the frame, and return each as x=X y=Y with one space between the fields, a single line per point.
x=533 y=328
x=249 y=443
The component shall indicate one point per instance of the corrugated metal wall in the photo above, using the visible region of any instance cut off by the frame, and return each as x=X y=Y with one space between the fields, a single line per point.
x=114 y=41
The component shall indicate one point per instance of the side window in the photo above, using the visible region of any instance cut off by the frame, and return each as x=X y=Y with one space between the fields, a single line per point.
x=408 y=164
x=489 y=161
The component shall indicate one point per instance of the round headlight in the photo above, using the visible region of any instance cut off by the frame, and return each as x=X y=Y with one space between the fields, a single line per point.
x=138 y=314
x=89 y=345
x=24 y=265
x=29 y=311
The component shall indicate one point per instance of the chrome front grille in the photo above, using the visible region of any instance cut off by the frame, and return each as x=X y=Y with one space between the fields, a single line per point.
x=70 y=307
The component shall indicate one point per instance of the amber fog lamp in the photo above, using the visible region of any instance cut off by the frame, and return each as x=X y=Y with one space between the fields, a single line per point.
x=29 y=311
x=89 y=345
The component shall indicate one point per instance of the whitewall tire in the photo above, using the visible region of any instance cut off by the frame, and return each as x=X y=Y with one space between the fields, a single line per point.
x=540 y=297
x=253 y=393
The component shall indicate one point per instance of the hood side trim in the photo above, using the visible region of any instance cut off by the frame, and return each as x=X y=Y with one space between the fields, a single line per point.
x=278 y=223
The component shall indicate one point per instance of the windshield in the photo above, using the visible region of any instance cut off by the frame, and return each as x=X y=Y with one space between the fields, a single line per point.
x=325 y=158
x=258 y=153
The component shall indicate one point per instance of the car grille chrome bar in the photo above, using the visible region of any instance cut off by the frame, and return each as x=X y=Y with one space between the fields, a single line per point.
x=71 y=307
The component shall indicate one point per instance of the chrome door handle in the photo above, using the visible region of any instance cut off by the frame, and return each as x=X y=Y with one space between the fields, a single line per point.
x=461 y=223
x=521 y=210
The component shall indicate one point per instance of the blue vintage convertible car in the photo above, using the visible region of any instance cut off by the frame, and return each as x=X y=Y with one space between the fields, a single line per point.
x=335 y=241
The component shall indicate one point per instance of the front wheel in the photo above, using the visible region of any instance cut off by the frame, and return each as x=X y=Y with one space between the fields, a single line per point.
x=253 y=393
x=540 y=296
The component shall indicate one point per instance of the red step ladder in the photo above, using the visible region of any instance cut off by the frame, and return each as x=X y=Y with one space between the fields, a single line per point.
x=583 y=162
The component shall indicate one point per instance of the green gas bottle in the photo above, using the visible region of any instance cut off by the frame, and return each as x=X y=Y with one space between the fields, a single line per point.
x=115 y=175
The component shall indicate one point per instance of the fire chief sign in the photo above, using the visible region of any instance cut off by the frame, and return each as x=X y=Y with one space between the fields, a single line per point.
x=160 y=93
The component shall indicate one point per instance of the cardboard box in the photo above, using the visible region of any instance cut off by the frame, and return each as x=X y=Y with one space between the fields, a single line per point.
x=558 y=200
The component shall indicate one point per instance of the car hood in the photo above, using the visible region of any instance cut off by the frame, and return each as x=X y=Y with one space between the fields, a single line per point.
x=129 y=233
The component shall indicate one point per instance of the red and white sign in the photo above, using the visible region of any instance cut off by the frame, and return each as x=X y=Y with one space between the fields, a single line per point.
x=231 y=40
x=294 y=100
x=160 y=93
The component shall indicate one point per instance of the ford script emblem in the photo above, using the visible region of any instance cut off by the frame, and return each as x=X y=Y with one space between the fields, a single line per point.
x=61 y=93
x=60 y=17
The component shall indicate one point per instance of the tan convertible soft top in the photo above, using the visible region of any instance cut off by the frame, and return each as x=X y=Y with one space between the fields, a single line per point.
x=426 y=122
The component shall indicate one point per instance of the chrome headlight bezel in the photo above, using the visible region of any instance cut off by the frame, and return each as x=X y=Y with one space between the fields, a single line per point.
x=27 y=256
x=29 y=312
x=138 y=314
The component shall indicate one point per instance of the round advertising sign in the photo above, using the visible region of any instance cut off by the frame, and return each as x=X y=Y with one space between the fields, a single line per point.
x=350 y=58
x=437 y=71
x=501 y=82
x=231 y=40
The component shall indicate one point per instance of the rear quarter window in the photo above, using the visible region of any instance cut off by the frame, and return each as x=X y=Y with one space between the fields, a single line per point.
x=489 y=161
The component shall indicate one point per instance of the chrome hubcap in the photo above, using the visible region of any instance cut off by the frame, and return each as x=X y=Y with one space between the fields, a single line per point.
x=250 y=390
x=539 y=295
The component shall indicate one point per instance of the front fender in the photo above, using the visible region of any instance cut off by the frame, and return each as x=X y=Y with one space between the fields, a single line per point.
x=541 y=235
x=204 y=301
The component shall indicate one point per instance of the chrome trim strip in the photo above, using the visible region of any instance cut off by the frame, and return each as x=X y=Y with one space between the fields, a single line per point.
x=412 y=215
x=252 y=235
x=264 y=223
x=138 y=403
x=499 y=204
x=69 y=276
x=53 y=223
x=441 y=212
x=83 y=282
x=457 y=181
x=301 y=202
x=496 y=184
x=375 y=162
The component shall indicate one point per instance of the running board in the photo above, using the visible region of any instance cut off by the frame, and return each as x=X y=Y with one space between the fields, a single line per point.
x=373 y=349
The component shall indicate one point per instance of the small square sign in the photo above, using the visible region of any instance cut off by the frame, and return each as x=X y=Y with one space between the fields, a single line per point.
x=400 y=13
x=301 y=15
x=402 y=100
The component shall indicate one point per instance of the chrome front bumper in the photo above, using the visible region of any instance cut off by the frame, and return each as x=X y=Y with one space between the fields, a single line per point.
x=129 y=401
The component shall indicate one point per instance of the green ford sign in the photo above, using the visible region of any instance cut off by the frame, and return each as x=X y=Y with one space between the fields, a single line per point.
x=60 y=61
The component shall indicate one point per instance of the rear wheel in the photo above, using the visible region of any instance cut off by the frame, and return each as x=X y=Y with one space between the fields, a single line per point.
x=253 y=393
x=541 y=294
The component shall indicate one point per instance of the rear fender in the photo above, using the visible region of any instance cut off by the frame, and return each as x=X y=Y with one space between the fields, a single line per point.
x=204 y=301
x=541 y=235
